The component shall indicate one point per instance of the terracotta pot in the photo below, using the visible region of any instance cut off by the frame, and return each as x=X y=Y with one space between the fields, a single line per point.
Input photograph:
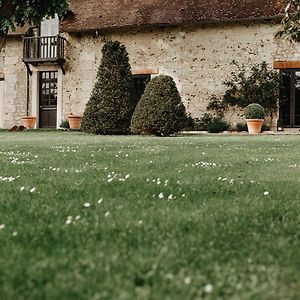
x=29 y=122
x=254 y=125
x=74 y=121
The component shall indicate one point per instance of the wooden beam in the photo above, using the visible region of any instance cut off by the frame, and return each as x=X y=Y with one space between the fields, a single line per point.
x=292 y=64
x=144 y=71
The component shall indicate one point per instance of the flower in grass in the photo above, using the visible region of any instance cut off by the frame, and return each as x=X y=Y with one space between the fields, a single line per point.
x=187 y=280
x=69 y=220
x=100 y=201
x=161 y=195
x=110 y=180
x=170 y=197
x=77 y=218
x=2 y=226
x=14 y=233
x=87 y=204
x=22 y=188
x=127 y=176
x=32 y=190
x=183 y=195
x=107 y=214
x=266 y=193
x=208 y=288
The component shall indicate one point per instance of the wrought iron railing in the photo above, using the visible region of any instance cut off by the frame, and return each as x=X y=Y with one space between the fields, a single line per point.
x=44 y=49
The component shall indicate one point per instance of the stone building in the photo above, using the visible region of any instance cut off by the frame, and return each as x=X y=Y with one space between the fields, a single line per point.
x=51 y=75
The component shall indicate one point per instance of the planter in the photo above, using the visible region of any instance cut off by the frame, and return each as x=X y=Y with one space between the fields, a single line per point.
x=75 y=122
x=254 y=125
x=29 y=122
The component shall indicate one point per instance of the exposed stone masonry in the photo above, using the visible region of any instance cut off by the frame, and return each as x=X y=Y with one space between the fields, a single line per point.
x=198 y=58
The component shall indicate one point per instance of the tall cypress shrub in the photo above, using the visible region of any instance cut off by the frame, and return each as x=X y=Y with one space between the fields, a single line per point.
x=160 y=110
x=110 y=107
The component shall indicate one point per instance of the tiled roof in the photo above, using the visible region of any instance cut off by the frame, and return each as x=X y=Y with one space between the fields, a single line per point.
x=108 y=14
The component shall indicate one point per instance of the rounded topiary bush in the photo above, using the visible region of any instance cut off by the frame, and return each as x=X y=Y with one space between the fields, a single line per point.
x=160 y=110
x=254 y=111
x=110 y=107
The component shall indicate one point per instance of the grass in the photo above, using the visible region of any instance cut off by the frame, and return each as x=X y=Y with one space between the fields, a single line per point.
x=230 y=231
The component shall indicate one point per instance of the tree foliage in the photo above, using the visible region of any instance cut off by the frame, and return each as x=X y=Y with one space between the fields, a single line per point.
x=291 y=21
x=19 y=12
x=110 y=107
x=160 y=110
x=261 y=86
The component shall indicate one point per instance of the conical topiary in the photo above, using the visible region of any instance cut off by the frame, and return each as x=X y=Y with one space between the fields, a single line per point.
x=110 y=107
x=160 y=110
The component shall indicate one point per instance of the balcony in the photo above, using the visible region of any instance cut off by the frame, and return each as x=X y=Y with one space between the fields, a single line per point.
x=44 y=49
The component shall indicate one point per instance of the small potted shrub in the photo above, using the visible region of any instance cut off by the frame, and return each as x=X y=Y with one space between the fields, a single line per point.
x=255 y=116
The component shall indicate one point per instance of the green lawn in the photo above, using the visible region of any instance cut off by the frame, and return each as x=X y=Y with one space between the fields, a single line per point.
x=208 y=217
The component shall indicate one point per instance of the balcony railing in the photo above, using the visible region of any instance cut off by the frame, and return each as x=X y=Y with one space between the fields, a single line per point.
x=44 y=49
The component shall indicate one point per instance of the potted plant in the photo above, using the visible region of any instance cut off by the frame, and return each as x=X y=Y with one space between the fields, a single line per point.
x=29 y=122
x=255 y=116
x=74 y=121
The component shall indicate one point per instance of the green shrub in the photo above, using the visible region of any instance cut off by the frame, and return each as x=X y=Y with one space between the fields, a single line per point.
x=241 y=127
x=254 y=111
x=204 y=121
x=261 y=86
x=217 y=125
x=196 y=124
x=160 y=110
x=189 y=123
x=65 y=124
x=110 y=107
x=265 y=127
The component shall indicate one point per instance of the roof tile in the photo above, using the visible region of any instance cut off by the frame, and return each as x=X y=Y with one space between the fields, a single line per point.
x=108 y=14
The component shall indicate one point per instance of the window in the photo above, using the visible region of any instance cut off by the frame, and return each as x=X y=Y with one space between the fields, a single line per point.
x=139 y=85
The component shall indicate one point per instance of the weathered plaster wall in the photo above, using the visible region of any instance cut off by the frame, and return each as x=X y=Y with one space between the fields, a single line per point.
x=199 y=59
x=14 y=72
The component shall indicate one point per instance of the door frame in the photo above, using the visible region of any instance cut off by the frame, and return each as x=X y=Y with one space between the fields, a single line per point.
x=35 y=105
x=292 y=98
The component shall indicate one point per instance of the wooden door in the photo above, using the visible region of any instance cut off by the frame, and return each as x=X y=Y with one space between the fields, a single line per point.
x=1 y=102
x=48 y=99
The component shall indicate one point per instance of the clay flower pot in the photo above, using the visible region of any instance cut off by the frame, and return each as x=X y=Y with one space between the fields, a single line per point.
x=254 y=125
x=74 y=121
x=29 y=122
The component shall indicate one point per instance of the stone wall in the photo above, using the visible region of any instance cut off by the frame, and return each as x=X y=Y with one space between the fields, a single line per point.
x=199 y=59
x=14 y=72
